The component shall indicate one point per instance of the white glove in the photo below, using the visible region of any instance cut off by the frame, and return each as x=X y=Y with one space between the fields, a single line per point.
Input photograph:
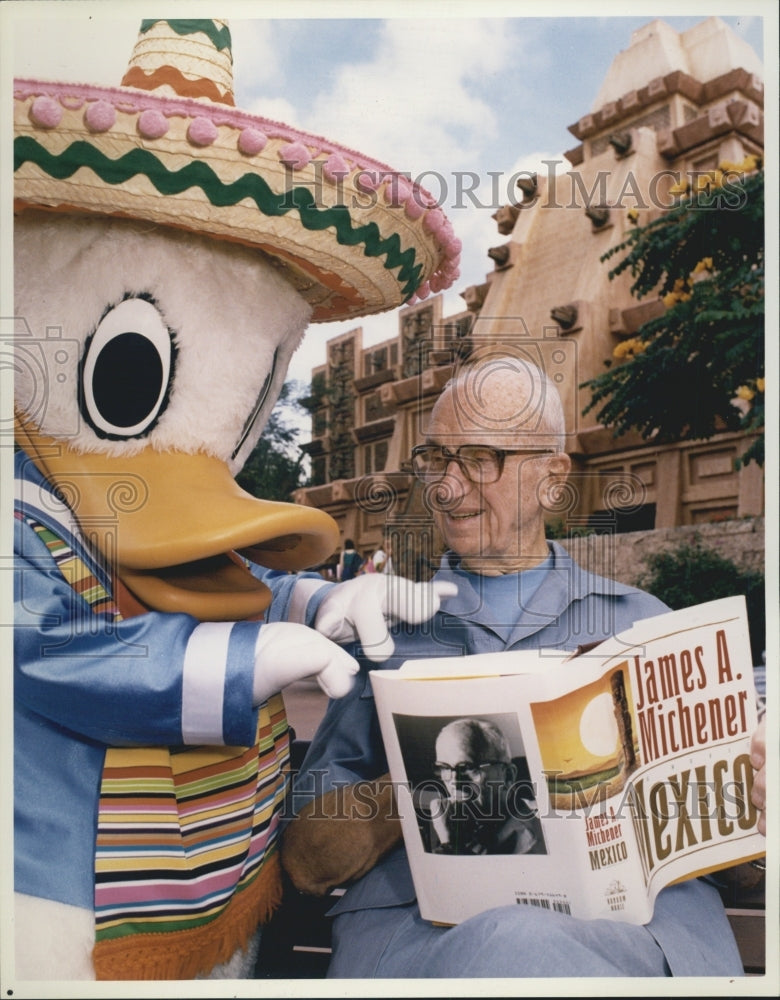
x=360 y=609
x=286 y=652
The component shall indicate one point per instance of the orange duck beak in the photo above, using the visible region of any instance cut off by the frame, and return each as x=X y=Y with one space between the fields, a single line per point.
x=178 y=529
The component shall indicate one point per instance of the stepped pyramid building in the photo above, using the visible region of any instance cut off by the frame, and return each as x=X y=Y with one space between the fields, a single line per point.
x=670 y=106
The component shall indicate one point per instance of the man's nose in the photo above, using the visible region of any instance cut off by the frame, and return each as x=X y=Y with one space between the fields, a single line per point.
x=456 y=478
x=447 y=493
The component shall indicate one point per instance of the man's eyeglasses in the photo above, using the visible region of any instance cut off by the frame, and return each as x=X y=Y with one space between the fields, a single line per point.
x=479 y=463
x=465 y=771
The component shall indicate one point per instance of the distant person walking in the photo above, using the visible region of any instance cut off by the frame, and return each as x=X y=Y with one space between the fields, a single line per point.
x=383 y=557
x=350 y=561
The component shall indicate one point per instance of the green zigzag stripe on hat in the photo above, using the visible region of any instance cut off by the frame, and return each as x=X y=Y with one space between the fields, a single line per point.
x=220 y=37
x=142 y=162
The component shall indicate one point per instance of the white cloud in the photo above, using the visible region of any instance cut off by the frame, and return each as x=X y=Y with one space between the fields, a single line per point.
x=410 y=100
x=276 y=109
x=255 y=55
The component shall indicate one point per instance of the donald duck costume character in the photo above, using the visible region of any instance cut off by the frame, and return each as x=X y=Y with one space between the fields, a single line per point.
x=170 y=251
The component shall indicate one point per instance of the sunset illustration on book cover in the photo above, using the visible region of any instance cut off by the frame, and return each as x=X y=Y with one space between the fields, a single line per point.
x=588 y=741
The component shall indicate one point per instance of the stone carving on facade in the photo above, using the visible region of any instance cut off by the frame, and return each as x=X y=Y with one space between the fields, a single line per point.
x=529 y=185
x=457 y=336
x=474 y=297
x=622 y=142
x=342 y=457
x=565 y=316
x=378 y=361
x=341 y=374
x=500 y=255
x=505 y=218
x=317 y=405
x=416 y=332
x=598 y=215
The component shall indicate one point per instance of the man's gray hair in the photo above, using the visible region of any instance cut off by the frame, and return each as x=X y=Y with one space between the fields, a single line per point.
x=484 y=739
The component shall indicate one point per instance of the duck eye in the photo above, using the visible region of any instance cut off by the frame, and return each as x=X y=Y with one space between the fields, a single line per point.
x=126 y=370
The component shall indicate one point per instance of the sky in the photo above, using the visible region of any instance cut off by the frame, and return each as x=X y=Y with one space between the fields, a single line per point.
x=443 y=90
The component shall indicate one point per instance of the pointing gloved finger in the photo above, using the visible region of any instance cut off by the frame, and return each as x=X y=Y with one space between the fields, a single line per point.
x=416 y=602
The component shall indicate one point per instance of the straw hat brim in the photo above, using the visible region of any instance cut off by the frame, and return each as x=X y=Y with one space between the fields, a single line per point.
x=352 y=235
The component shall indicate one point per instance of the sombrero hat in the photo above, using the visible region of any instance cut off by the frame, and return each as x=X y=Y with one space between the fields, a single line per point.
x=168 y=146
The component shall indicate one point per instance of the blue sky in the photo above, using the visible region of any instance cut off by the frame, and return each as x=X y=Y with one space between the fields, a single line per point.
x=437 y=89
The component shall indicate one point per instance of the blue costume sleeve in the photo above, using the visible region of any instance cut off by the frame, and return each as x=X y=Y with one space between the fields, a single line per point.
x=118 y=683
x=283 y=586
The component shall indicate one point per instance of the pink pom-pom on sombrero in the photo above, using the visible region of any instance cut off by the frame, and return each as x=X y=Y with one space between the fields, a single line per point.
x=169 y=146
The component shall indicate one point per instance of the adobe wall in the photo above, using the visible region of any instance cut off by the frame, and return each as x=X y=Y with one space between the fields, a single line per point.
x=622 y=556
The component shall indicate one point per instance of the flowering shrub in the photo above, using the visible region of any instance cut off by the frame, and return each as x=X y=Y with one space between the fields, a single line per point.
x=698 y=368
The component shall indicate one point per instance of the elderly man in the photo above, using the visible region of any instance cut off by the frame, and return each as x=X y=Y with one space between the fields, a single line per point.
x=481 y=810
x=493 y=452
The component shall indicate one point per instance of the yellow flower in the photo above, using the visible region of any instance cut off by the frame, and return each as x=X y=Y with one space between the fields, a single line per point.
x=745 y=392
x=629 y=348
x=679 y=293
x=705 y=264
x=751 y=162
x=679 y=188
x=633 y=214
x=760 y=384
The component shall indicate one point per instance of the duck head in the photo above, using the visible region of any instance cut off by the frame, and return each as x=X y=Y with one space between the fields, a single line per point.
x=147 y=365
x=170 y=250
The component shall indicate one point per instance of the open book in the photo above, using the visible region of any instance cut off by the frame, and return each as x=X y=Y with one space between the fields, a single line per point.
x=582 y=783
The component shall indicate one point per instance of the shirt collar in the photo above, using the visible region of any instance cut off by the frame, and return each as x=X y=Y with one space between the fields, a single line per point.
x=564 y=583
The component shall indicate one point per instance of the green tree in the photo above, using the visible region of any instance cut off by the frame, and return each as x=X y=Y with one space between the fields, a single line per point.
x=275 y=468
x=683 y=370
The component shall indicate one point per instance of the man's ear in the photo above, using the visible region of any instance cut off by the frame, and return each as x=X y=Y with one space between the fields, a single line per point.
x=558 y=468
x=559 y=465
